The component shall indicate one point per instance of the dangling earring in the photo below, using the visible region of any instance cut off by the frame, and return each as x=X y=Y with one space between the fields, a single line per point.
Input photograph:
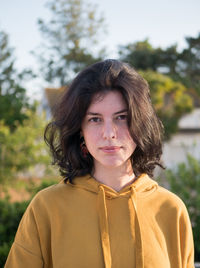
x=84 y=149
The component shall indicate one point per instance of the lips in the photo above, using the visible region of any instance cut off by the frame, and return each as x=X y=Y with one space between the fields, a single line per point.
x=110 y=149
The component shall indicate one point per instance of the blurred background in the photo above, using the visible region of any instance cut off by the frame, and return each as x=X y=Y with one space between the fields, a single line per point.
x=45 y=43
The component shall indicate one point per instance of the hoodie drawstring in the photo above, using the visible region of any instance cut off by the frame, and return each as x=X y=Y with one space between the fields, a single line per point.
x=138 y=236
x=103 y=221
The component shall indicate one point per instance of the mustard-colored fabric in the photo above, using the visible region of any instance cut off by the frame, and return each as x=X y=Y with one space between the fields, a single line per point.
x=87 y=224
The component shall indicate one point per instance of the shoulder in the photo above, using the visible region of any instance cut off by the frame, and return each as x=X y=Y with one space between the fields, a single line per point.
x=169 y=195
x=50 y=203
x=54 y=189
x=170 y=201
x=51 y=196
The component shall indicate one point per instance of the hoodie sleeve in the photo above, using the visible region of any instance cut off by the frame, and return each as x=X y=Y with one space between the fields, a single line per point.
x=186 y=240
x=26 y=251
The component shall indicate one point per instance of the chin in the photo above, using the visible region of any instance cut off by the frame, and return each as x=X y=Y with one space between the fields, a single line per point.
x=113 y=164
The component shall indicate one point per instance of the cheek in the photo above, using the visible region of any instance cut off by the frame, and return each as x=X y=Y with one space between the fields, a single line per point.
x=90 y=136
x=125 y=134
x=128 y=139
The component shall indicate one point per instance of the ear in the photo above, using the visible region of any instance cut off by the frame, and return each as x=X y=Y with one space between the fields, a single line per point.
x=81 y=134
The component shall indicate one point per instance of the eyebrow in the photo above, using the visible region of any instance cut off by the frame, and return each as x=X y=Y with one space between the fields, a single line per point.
x=119 y=112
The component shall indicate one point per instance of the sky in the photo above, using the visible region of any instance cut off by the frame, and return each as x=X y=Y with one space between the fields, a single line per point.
x=163 y=22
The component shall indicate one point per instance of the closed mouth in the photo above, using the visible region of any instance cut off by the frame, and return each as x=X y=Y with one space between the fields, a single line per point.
x=110 y=149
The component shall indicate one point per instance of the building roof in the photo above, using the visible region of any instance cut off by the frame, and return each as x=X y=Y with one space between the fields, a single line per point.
x=53 y=96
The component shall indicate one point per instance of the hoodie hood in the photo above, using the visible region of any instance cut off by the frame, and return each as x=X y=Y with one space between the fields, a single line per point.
x=141 y=187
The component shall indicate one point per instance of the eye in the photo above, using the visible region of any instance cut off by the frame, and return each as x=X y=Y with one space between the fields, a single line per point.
x=122 y=117
x=94 y=119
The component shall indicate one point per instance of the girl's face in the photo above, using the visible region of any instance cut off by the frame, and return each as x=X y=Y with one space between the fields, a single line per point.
x=106 y=132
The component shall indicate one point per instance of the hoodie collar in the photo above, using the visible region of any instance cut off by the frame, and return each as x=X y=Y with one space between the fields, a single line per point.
x=143 y=186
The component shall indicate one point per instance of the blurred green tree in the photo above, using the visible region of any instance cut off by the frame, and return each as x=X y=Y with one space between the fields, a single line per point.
x=169 y=75
x=11 y=214
x=169 y=98
x=13 y=100
x=24 y=148
x=182 y=66
x=70 y=39
x=189 y=63
x=141 y=55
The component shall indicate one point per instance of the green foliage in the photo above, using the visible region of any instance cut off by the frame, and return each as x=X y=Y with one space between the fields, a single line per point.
x=140 y=55
x=171 y=92
x=169 y=98
x=189 y=63
x=13 y=100
x=24 y=148
x=70 y=36
x=185 y=182
x=11 y=214
x=181 y=66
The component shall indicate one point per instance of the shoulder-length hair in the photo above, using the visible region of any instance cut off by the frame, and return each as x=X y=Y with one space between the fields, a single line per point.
x=62 y=134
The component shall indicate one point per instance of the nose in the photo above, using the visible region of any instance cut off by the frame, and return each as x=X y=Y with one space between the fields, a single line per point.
x=109 y=130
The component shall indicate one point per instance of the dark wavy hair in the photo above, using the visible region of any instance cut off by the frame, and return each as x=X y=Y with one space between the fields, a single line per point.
x=62 y=134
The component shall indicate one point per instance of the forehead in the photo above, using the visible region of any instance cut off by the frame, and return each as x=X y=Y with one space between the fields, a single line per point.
x=111 y=100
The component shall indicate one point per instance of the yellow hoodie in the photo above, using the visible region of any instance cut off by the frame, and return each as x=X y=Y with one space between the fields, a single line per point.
x=89 y=225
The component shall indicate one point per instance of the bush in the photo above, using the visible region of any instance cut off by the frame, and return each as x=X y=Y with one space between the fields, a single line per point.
x=185 y=182
x=11 y=214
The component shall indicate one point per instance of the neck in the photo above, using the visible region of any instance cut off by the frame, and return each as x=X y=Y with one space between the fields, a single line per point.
x=114 y=177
